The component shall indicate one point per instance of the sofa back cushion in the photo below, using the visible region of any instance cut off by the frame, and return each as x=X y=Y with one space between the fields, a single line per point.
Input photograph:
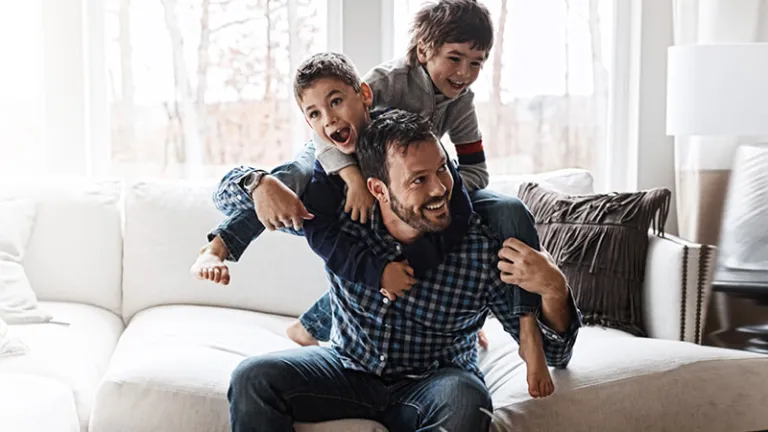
x=74 y=253
x=166 y=223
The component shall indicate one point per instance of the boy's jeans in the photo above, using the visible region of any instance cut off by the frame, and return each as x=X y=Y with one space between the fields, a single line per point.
x=507 y=216
x=310 y=385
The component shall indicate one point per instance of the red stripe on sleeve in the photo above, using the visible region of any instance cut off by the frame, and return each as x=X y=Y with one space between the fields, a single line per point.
x=469 y=148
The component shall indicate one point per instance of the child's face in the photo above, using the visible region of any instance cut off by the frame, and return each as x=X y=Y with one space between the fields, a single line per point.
x=336 y=112
x=453 y=66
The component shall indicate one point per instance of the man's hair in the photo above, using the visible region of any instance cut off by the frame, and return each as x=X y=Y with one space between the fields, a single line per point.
x=395 y=129
x=450 y=21
x=325 y=65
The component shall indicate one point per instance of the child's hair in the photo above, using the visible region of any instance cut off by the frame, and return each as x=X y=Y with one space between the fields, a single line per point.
x=450 y=21
x=396 y=128
x=325 y=65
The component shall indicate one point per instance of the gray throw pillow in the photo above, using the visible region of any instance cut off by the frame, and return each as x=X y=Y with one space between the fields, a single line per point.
x=600 y=242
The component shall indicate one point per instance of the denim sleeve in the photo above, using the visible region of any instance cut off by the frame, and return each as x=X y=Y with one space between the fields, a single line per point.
x=230 y=195
x=242 y=225
x=346 y=255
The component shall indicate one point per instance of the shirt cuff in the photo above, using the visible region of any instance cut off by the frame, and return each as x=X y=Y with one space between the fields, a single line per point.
x=573 y=327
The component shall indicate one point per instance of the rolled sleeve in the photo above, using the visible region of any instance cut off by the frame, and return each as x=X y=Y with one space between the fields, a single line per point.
x=558 y=347
x=230 y=196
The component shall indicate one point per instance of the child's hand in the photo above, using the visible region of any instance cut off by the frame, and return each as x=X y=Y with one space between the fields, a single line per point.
x=396 y=279
x=359 y=200
x=277 y=206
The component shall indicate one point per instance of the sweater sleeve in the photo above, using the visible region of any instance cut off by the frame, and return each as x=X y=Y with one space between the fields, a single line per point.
x=464 y=131
x=331 y=159
x=345 y=254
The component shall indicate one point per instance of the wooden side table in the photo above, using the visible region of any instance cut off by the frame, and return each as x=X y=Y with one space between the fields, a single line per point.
x=751 y=285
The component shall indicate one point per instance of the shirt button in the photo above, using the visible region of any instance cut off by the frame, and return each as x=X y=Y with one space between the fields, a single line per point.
x=398 y=248
x=385 y=300
x=382 y=358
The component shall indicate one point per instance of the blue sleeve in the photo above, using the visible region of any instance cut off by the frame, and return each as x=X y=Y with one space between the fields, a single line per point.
x=345 y=254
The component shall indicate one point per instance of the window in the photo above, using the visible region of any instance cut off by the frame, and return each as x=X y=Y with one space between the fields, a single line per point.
x=196 y=86
x=542 y=96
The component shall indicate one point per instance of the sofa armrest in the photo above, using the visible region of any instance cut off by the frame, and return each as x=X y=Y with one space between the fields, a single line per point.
x=678 y=282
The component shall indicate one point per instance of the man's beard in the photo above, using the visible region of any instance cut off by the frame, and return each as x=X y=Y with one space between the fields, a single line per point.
x=419 y=221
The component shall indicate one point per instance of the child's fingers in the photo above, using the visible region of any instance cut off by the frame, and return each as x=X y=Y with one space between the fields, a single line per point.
x=408 y=269
x=297 y=222
x=355 y=214
x=364 y=216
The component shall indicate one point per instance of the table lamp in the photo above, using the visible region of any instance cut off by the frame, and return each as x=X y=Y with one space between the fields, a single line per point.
x=720 y=91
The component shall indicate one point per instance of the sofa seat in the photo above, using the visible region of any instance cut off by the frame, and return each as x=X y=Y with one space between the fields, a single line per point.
x=74 y=350
x=33 y=403
x=173 y=364
x=615 y=380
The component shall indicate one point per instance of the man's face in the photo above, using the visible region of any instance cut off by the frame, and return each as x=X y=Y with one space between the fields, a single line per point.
x=420 y=186
x=453 y=67
x=336 y=112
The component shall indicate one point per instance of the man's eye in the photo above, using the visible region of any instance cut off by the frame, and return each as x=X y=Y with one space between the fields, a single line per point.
x=443 y=168
x=454 y=59
x=418 y=180
x=335 y=101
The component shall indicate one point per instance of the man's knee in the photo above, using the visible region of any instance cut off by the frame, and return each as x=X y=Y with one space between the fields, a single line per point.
x=251 y=376
x=468 y=402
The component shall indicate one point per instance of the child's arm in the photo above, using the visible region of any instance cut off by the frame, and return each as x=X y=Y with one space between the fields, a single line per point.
x=345 y=254
x=333 y=161
x=465 y=134
x=279 y=197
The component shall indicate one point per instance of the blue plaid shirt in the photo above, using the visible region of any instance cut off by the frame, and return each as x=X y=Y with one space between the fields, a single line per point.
x=434 y=324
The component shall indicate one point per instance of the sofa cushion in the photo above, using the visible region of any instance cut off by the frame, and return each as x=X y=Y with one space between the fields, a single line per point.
x=75 y=251
x=600 y=242
x=33 y=404
x=73 y=349
x=18 y=303
x=570 y=181
x=166 y=225
x=173 y=364
x=615 y=380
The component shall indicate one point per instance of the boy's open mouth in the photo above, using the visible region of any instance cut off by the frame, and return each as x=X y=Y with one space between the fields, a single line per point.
x=341 y=136
x=458 y=85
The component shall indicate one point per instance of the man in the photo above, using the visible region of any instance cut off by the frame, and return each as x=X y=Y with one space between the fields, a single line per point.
x=408 y=363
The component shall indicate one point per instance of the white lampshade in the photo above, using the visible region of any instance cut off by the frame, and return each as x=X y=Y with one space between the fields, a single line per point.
x=717 y=90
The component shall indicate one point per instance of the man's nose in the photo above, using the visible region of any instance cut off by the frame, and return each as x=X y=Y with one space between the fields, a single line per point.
x=437 y=188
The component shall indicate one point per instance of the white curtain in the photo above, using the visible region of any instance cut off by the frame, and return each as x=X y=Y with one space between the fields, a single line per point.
x=703 y=164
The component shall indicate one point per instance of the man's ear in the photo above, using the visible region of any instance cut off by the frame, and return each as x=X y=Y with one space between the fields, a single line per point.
x=378 y=189
x=367 y=94
x=422 y=53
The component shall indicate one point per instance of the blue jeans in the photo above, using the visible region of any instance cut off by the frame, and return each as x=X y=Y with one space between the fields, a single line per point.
x=506 y=216
x=310 y=385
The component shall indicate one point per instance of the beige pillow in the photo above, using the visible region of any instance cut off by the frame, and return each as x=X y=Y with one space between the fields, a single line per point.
x=18 y=303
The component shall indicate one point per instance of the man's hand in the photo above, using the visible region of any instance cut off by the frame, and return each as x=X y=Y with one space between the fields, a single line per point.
x=396 y=279
x=277 y=206
x=530 y=269
x=359 y=199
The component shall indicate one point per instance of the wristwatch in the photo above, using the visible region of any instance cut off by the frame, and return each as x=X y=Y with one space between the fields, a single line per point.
x=251 y=181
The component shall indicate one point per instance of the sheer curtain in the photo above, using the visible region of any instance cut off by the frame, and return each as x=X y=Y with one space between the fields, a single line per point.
x=703 y=164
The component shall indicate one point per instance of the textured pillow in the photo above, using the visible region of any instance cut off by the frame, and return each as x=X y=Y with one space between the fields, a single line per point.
x=600 y=242
x=18 y=303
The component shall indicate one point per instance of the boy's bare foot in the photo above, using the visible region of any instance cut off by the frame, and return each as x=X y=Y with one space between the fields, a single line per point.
x=482 y=339
x=210 y=265
x=300 y=335
x=532 y=351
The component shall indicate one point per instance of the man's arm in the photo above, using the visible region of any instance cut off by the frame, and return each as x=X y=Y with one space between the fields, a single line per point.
x=345 y=254
x=558 y=342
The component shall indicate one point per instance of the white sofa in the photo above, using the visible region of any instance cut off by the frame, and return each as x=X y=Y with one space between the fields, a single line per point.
x=138 y=345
